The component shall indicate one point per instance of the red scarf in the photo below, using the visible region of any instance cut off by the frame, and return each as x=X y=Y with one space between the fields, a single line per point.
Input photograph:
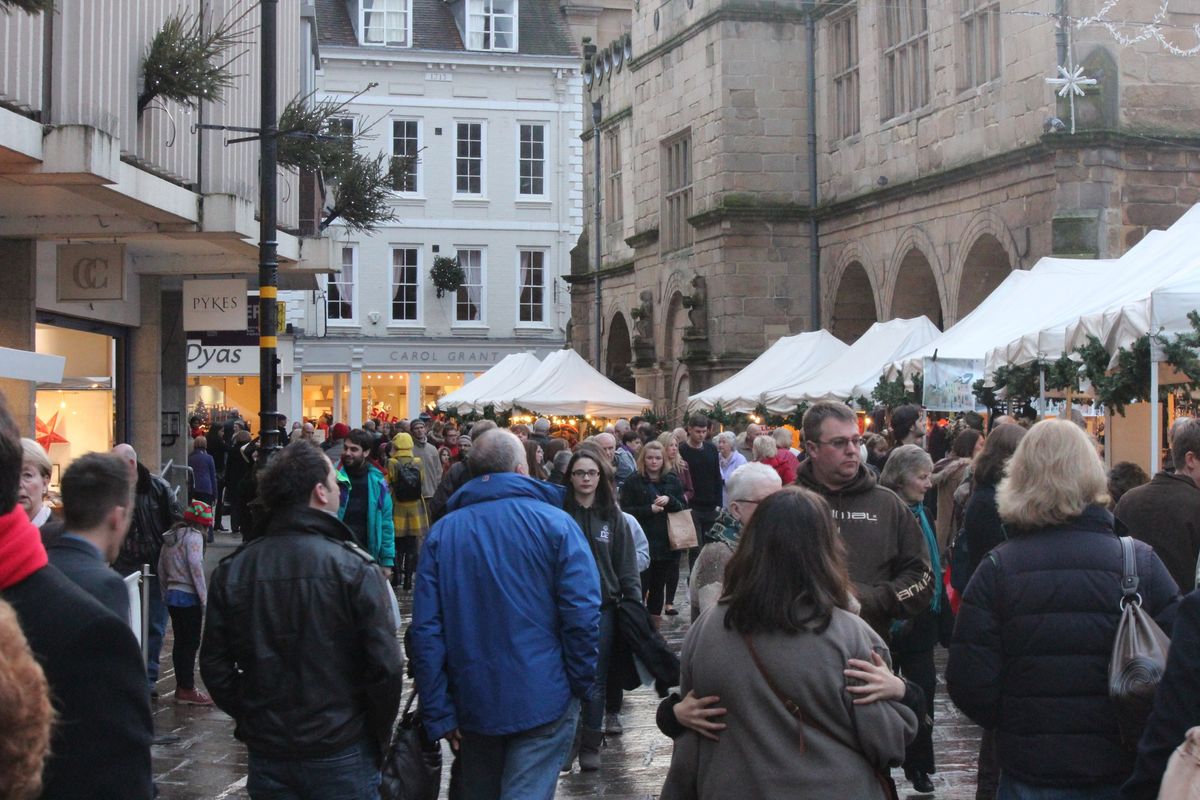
x=21 y=550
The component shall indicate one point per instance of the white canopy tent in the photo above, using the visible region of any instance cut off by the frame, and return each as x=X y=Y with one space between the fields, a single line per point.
x=1013 y=308
x=25 y=365
x=856 y=372
x=566 y=384
x=789 y=361
x=501 y=382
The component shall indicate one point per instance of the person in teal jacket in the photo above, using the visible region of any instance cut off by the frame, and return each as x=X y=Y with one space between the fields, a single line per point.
x=366 y=501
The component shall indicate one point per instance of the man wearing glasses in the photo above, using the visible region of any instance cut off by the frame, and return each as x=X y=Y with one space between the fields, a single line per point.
x=884 y=548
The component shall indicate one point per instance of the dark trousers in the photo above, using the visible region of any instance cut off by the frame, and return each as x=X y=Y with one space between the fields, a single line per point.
x=987 y=780
x=407 y=549
x=656 y=582
x=219 y=506
x=186 y=621
x=918 y=667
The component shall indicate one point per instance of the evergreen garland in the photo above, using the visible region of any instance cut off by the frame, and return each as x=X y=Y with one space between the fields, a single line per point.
x=1128 y=381
x=1180 y=351
x=892 y=394
x=188 y=64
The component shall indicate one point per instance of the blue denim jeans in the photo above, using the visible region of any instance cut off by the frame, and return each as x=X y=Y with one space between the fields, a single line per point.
x=520 y=766
x=351 y=774
x=158 y=629
x=592 y=718
x=1012 y=789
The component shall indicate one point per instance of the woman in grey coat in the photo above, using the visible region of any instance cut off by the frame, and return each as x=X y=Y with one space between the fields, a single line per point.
x=798 y=722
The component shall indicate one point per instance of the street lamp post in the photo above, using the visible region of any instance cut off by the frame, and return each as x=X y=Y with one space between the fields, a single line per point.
x=268 y=260
x=596 y=202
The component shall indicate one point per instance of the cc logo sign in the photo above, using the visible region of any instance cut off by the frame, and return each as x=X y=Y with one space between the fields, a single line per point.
x=91 y=273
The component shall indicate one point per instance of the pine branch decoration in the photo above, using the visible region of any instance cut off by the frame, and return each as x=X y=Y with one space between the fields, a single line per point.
x=360 y=198
x=29 y=6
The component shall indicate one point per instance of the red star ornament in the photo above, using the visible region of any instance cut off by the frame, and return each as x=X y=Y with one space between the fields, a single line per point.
x=47 y=435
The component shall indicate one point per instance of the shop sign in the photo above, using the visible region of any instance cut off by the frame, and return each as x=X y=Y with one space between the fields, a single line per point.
x=416 y=355
x=217 y=356
x=947 y=384
x=89 y=272
x=214 y=305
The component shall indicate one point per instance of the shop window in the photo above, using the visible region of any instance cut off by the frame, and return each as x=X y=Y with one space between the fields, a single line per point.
x=339 y=297
x=532 y=299
x=406 y=144
x=468 y=301
x=905 y=84
x=492 y=24
x=386 y=22
x=468 y=163
x=406 y=273
x=532 y=159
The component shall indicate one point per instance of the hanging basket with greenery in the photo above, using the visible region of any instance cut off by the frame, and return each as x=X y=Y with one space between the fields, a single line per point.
x=29 y=6
x=447 y=275
x=190 y=62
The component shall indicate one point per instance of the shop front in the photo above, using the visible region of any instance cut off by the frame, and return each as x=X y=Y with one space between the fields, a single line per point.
x=223 y=378
x=387 y=381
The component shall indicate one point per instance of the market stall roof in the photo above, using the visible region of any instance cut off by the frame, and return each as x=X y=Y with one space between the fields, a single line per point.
x=789 y=361
x=1125 y=282
x=566 y=384
x=856 y=372
x=25 y=365
x=1016 y=306
x=493 y=387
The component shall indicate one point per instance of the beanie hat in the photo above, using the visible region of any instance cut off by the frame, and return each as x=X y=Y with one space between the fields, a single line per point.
x=403 y=444
x=340 y=431
x=542 y=425
x=200 y=513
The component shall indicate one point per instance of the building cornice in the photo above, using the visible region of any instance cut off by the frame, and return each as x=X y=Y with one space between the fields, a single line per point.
x=731 y=12
x=608 y=122
x=361 y=54
x=642 y=238
x=624 y=268
x=741 y=207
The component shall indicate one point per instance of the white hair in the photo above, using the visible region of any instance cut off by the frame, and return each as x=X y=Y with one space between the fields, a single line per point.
x=753 y=481
x=725 y=436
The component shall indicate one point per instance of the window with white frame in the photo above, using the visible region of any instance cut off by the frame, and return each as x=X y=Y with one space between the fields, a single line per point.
x=844 y=45
x=980 y=62
x=406 y=147
x=492 y=24
x=531 y=301
x=387 y=22
x=614 y=207
x=468 y=301
x=531 y=161
x=339 y=295
x=905 y=83
x=677 y=192
x=468 y=161
x=406 y=285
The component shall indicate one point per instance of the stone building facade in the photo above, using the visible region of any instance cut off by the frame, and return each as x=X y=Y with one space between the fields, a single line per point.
x=943 y=160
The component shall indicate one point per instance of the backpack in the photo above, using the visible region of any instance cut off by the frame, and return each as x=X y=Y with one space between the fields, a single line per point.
x=406 y=480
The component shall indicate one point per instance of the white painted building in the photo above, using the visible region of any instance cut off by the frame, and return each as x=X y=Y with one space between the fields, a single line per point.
x=488 y=94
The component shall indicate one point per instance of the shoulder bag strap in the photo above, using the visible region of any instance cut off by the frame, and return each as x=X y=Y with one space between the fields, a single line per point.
x=1197 y=586
x=1129 y=576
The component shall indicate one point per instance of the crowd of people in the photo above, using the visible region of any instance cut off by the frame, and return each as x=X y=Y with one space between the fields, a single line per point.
x=825 y=567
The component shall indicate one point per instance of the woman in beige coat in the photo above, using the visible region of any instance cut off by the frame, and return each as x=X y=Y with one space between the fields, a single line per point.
x=798 y=722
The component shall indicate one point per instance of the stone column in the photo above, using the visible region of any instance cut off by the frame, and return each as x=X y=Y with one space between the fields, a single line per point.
x=356 y=388
x=174 y=382
x=295 y=392
x=338 y=416
x=146 y=366
x=18 y=286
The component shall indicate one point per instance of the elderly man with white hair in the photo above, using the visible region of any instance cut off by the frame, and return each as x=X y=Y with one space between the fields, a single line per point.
x=748 y=486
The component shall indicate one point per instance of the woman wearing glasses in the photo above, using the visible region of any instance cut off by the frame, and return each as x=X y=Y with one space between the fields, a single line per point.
x=649 y=495
x=591 y=501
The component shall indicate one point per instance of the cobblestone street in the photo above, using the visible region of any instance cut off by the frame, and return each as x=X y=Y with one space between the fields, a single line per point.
x=205 y=762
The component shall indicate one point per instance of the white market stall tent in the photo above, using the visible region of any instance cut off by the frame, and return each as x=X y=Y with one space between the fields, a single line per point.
x=856 y=372
x=566 y=384
x=504 y=380
x=789 y=361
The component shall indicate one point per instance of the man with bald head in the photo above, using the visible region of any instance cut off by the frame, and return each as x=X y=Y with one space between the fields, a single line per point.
x=155 y=510
x=621 y=459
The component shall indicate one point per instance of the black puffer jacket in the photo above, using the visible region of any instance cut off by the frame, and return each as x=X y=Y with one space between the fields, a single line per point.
x=1032 y=644
x=299 y=642
x=155 y=511
x=638 y=494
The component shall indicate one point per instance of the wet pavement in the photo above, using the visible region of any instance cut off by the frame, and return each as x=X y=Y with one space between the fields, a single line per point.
x=207 y=763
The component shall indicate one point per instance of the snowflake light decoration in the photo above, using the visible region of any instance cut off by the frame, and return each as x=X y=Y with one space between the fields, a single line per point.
x=1071 y=82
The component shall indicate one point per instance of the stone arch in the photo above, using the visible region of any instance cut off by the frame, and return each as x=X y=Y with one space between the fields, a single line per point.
x=985 y=222
x=915 y=289
x=985 y=265
x=618 y=353
x=681 y=387
x=853 y=310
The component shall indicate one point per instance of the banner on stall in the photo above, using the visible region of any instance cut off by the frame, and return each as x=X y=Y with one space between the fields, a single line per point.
x=948 y=384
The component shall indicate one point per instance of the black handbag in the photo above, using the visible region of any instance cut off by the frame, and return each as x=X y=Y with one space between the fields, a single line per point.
x=412 y=767
x=1139 y=656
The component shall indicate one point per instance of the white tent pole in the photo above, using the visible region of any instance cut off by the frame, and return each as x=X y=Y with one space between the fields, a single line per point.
x=1155 y=419
x=1042 y=392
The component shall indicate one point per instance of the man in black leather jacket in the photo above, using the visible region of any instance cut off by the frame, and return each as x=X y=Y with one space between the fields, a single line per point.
x=155 y=510
x=300 y=641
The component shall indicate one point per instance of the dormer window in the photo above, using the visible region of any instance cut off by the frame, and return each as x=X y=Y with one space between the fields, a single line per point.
x=492 y=24
x=386 y=22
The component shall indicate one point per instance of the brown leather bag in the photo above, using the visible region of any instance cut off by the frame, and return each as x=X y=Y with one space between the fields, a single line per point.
x=1139 y=656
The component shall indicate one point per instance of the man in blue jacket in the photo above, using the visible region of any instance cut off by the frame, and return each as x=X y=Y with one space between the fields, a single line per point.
x=505 y=631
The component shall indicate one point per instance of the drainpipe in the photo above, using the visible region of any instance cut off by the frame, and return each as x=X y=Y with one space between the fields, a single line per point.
x=814 y=246
x=1060 y=31
x=596 y=202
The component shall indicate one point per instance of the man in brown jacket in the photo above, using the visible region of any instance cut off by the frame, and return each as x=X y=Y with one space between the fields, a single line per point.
x=1165 y=513
x=884 y=547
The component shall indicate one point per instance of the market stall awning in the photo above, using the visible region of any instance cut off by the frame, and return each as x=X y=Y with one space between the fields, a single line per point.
x=24 y=365
x=494 y=387
x=788 y=362
x=856 y=372
x=566 y=384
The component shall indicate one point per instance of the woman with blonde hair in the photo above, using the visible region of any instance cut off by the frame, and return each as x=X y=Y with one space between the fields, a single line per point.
x=649 y=495
x=35 y=483
x=675 y=463
x=1031 y=648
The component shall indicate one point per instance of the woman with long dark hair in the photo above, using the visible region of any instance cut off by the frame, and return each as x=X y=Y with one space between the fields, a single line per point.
x=775 y=649
x=591 y=501
x=649 y=495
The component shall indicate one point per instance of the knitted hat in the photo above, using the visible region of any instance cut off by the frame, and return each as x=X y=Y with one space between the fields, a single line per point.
x=340 y=431
x=200 y=513
x=541 y=425
x=402 y=443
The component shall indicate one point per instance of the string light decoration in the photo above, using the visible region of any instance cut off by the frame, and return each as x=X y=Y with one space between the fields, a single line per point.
x=1143 y=31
